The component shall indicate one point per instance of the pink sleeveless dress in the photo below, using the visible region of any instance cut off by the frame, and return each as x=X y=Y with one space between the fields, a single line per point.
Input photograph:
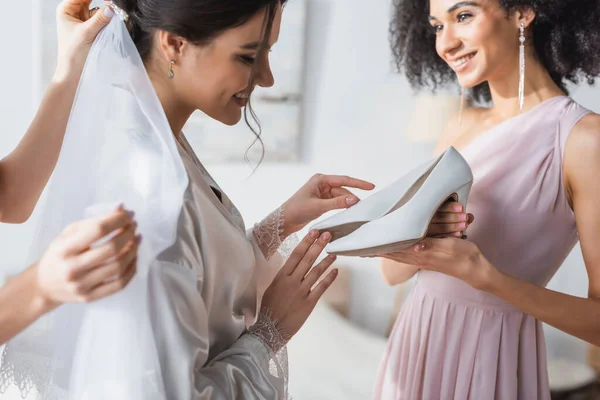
x=453 y=342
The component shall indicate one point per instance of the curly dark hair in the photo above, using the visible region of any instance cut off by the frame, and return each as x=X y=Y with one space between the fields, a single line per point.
x=565 y=33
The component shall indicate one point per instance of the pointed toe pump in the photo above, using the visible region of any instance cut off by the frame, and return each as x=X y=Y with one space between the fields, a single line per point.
x=399 y=215
x=375 y=206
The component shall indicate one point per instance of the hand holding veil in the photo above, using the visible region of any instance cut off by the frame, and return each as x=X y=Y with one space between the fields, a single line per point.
x=118 y=148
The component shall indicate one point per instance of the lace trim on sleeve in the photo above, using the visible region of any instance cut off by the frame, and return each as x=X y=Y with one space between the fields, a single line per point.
x=267 y=331
x=270 y=237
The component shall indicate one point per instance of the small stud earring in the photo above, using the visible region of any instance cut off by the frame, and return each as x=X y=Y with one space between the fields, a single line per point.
x=171 y=73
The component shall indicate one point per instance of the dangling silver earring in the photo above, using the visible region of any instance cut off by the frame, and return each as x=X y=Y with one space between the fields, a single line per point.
x=522 y=67
x=171 y=73
x=462 y=106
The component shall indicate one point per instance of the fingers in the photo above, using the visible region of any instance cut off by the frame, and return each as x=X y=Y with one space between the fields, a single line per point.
x=111 y=271
x=449 y=218
x=445 y=229
x=445 y=245
x=98 y=21
x=102 y=254
x=316 y=272
x=322 y=287
x=311 y=256
x=341 y=198
x=73 y=8
x=451 y=207
x=81 y=235
x=338 y=203
x=114 y=286
x=338 y=181
x=447 y=235
x=423 y=245
x=341 y=192
x=299 y=252
x=92 y=12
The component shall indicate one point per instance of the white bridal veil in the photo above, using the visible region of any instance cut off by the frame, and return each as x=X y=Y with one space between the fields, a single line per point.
x=118 y=148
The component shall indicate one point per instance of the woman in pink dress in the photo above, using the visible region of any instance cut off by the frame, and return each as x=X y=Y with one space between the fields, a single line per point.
x=471 y=328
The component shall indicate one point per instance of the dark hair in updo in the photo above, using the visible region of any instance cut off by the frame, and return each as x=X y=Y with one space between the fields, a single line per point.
x=199 y=22
x=565 y=33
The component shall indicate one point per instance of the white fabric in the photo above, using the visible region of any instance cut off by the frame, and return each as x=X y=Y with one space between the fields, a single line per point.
x=205 y=292
x=178 y=331
x=81 y=352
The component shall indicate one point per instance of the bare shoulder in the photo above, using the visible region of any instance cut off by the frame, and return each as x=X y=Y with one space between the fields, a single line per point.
x=459 y=126
x=590 y=124
x=582 y=151
x=584 y=138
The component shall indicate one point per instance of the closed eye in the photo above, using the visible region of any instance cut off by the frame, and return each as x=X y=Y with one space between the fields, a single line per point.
x=247 y=59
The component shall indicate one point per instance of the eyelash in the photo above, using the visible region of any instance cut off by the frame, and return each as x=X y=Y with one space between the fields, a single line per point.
x=464 y=14
x=247 y=60
x=460 y=17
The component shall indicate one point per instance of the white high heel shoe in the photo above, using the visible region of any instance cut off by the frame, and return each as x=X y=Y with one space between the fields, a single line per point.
x=399 y=215
x=375 y=206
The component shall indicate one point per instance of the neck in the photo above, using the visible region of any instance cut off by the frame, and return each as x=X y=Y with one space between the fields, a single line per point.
x=539 y=87
x=177 y=112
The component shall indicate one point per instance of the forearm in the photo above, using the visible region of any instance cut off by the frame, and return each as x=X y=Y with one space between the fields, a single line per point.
x=25 y=172
x=396 y=273
x=576 y=316
x=20 y=304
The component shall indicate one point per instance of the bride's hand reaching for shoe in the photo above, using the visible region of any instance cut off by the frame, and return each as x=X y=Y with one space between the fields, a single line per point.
x=294 y=293
x=321 y=194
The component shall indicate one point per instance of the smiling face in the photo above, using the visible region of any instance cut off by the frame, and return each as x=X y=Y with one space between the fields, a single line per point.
x=215 y=78
x=477 y=39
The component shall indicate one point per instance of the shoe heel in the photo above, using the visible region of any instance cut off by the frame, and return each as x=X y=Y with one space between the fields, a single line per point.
x=462 y=194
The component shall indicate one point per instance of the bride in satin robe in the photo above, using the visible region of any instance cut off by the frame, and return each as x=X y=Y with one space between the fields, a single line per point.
x=214 y=303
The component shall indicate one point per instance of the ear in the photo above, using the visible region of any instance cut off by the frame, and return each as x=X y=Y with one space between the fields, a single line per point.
x=171 y=45
x=525 y=15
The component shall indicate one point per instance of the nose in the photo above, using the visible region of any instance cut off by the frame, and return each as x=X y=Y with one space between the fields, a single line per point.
x=264 y=75
x=447 y=42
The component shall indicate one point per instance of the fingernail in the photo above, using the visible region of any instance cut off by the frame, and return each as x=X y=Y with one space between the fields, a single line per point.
x=463 y=217
x=457 y=234
x=138 y=239
x=462 y=225
x=326 y=236
x=420 y=247
x=351 y=200
x=131 y=214
x=108 y=12
x=458 y=208
x=331 y=257
x=313 y=233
